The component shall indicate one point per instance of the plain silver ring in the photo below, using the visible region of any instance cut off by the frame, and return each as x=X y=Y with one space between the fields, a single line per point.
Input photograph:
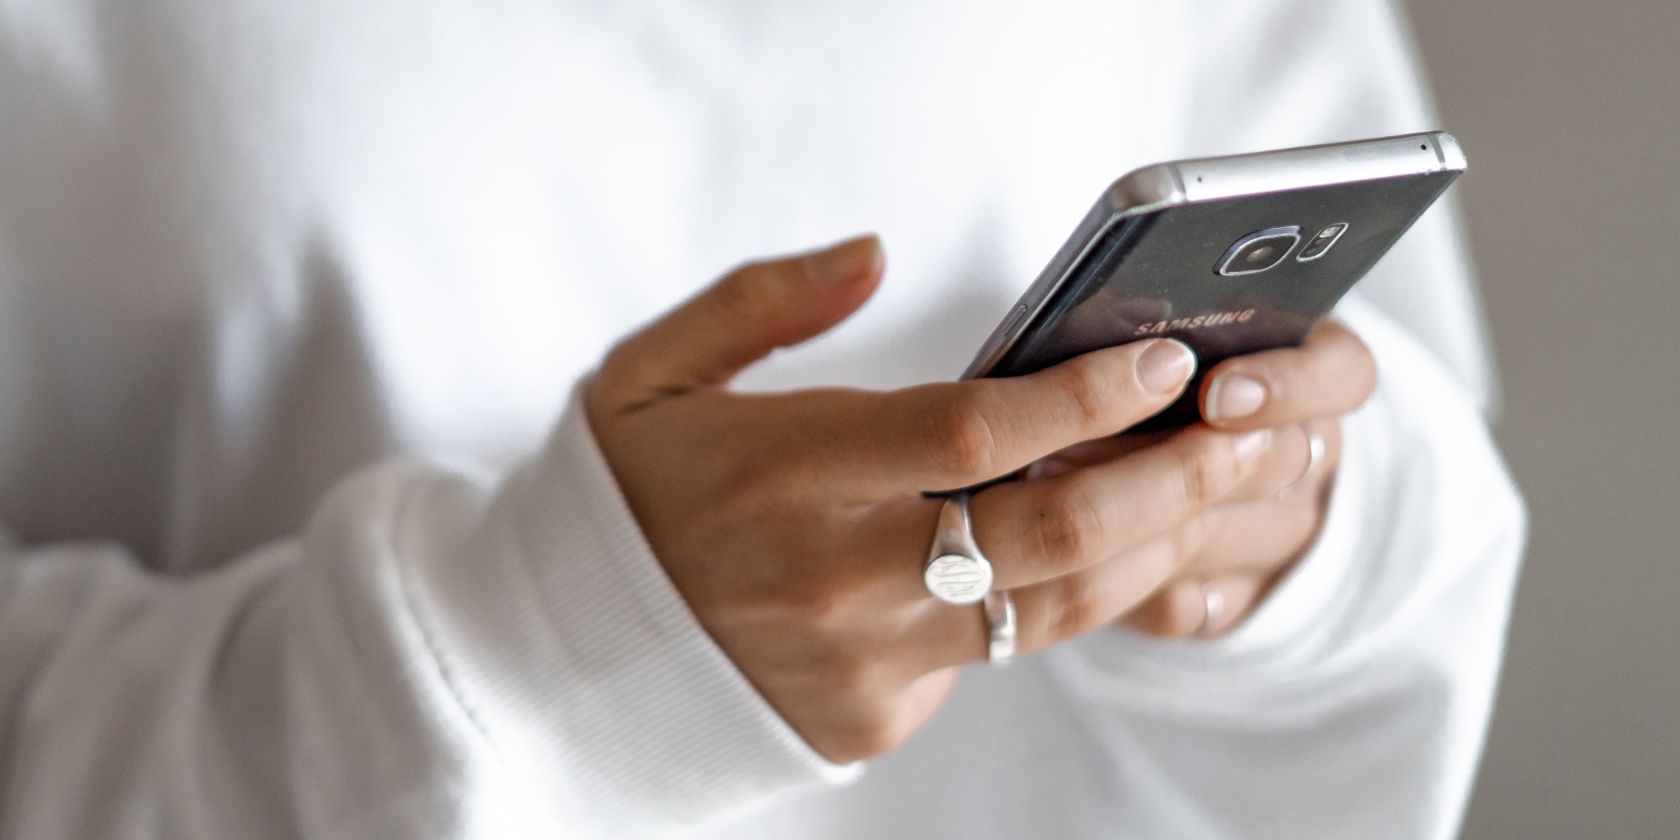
x=956 y=571
x=1213 y=607
x=1000 y=628
x=1315 y=456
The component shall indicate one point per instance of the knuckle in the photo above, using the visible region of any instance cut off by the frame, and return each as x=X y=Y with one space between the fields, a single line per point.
x=744 y=296
x=762 y=479
x=816 y=602
x=736 y=297
x=850 y=674
x=1084 y=387
x=1207 y=471
x=1188 y=541
x=1340 y=365
x=1079 y=610
x=960 y=437
x=1068 y=526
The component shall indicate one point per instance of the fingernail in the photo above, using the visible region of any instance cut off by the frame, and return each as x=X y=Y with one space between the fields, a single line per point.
x=1165 y=366
x=1249 y=445
x=845 y=260
x=1234 y=396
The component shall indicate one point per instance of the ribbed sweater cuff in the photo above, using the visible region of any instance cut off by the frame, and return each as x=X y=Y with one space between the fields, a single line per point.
x=601 y=679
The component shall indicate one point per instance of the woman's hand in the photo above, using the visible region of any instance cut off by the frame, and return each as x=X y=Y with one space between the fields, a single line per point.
x=1242 y=546
x=794 y=527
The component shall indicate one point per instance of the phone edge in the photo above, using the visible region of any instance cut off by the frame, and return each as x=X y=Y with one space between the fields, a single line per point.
x=1136 y=193
x=1241 y=176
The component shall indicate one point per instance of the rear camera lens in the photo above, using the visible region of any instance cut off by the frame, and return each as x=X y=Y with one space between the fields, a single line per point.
x=1259 y=251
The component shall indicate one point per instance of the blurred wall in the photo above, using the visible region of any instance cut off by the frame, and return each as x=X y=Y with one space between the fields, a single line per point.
x=1570 y=113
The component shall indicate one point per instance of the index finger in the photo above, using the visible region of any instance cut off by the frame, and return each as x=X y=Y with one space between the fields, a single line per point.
x=957 y=434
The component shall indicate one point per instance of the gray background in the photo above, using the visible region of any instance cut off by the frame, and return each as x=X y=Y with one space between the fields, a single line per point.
x=1570 y=113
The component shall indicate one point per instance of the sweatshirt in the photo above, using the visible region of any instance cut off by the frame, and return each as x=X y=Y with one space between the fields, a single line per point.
x=302 y=534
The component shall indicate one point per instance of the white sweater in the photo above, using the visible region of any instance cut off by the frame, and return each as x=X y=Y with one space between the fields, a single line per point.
x=303 y=540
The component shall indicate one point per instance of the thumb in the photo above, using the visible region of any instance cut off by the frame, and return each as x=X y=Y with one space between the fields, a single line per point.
x=739 y=320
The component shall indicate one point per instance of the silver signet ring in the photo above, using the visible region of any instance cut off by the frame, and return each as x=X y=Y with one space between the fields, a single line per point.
x=956 y=572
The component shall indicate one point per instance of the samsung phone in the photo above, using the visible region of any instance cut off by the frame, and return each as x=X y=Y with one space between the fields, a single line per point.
x=1230 y=255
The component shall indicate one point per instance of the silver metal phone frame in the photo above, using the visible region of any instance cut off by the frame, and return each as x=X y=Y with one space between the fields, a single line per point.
x=1184 y=182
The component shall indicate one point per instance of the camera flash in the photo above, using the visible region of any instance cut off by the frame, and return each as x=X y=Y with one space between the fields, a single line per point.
x=1322 y=242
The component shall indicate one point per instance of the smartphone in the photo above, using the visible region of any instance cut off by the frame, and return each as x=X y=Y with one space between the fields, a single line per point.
x=1230 y=255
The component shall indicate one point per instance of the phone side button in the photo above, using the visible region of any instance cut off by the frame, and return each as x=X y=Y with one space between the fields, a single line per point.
x=1015 y=319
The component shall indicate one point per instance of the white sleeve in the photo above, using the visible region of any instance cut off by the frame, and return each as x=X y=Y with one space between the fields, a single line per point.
x=434 y=657
x=1355 y=701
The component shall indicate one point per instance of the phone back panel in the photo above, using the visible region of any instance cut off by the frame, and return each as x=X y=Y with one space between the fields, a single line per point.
x=1155 y=275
